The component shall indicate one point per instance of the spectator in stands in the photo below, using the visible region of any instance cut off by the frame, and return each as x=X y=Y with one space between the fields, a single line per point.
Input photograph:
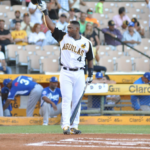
x=49 y=40
x=141 y=102
x=96 y=59
x=4 y=93
x=75 y=4
x=65 y=5
x=82 y=22
x=131 y=36
x=62 y=24
x=26 y=24
x=5 y=36
x=27 y=2
x=119 y=19
x=91 y=34
x=125 y=25
x=17 y=19
x=72 y=16
x=44 y=28
x=35 y=13
x=137 y=26
x=16 y=2
x=90 y=18
x=3 y=65
x=19 y=36
x=99 y=7
x=111 y=33
x=53 y=8
x=36 y=37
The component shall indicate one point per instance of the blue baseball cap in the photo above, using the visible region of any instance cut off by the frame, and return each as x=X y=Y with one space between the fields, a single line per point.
x=147 y=75
x=131 y=24
x=5 y=90
x=99 y=75
x=53 y=79
x=6 y=81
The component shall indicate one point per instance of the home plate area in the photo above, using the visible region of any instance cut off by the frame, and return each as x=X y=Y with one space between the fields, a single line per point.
x=74 y=142
x=96 y=143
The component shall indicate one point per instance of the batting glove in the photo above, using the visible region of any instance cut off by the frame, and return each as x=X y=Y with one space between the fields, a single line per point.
x=42 y=6
x=89 y=80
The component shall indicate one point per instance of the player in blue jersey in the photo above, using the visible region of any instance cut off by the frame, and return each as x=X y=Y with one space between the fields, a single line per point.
x=49 y=101
x=23 y=85
x=7 y=111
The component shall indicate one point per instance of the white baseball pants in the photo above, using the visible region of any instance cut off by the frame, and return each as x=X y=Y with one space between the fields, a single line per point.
x=1 y=107
x=71 y=85
x=47 y=111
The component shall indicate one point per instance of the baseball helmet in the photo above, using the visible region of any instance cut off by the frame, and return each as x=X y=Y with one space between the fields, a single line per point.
x=36 y=1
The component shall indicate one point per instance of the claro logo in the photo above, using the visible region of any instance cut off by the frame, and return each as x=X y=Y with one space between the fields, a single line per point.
x=139 y=89
x=112 y=89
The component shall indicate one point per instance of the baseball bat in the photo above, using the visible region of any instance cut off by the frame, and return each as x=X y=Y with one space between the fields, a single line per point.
x=77 y=107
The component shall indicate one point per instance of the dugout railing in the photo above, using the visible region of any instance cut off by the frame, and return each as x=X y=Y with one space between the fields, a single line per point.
x=123 y=90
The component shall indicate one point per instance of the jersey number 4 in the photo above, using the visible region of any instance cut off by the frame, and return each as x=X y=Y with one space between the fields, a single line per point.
x=79 y=59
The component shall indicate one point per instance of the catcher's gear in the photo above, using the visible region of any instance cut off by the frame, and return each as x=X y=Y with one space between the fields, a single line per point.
x=35 y=2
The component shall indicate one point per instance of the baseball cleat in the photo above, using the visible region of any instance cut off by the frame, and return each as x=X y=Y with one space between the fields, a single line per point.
x=66 y=130
x=75 y=131
x=45 y=124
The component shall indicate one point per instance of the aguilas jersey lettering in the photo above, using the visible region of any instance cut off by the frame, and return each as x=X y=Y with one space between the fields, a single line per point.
x=73 y=52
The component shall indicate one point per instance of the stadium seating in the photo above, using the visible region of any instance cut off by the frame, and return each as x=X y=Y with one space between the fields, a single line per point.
x=123 y=64
x=32 y=48
x=108 y=62
x=10 y=51
x=33 y=63
x=43 y=53
x=34 y=54
x=4 y=8
x=142 y=64
x=50 y=47
x=49 y=65
x=22 y=59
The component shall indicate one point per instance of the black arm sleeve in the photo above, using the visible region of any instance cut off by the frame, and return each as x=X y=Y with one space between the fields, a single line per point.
x=89 y=54
x=58 y=34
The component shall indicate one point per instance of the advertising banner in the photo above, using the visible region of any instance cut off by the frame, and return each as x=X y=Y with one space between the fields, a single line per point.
x=119 y=89
x=88 y=120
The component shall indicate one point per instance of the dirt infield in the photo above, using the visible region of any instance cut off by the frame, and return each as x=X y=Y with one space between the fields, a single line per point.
x=74 y=142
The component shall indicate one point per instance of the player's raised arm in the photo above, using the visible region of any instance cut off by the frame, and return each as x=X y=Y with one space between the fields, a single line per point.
x=42 y=6
x=56 y=33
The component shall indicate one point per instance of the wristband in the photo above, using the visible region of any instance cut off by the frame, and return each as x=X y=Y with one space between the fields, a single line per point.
x=45 y=12
x=90 y=72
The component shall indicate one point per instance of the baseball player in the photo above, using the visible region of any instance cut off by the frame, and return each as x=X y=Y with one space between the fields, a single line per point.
x=74 y=50
x=23 y=85
x=7 y=111
x=49 y=101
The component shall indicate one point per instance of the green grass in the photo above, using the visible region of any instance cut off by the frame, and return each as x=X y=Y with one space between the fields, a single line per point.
x=84 y=128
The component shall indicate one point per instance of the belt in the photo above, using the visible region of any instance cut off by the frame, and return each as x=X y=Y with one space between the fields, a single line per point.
x=73 y=69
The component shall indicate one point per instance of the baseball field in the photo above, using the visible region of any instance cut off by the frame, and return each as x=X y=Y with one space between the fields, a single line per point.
x=97 y=137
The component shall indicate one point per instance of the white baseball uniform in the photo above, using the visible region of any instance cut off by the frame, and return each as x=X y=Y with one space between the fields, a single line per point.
x=72 y=80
